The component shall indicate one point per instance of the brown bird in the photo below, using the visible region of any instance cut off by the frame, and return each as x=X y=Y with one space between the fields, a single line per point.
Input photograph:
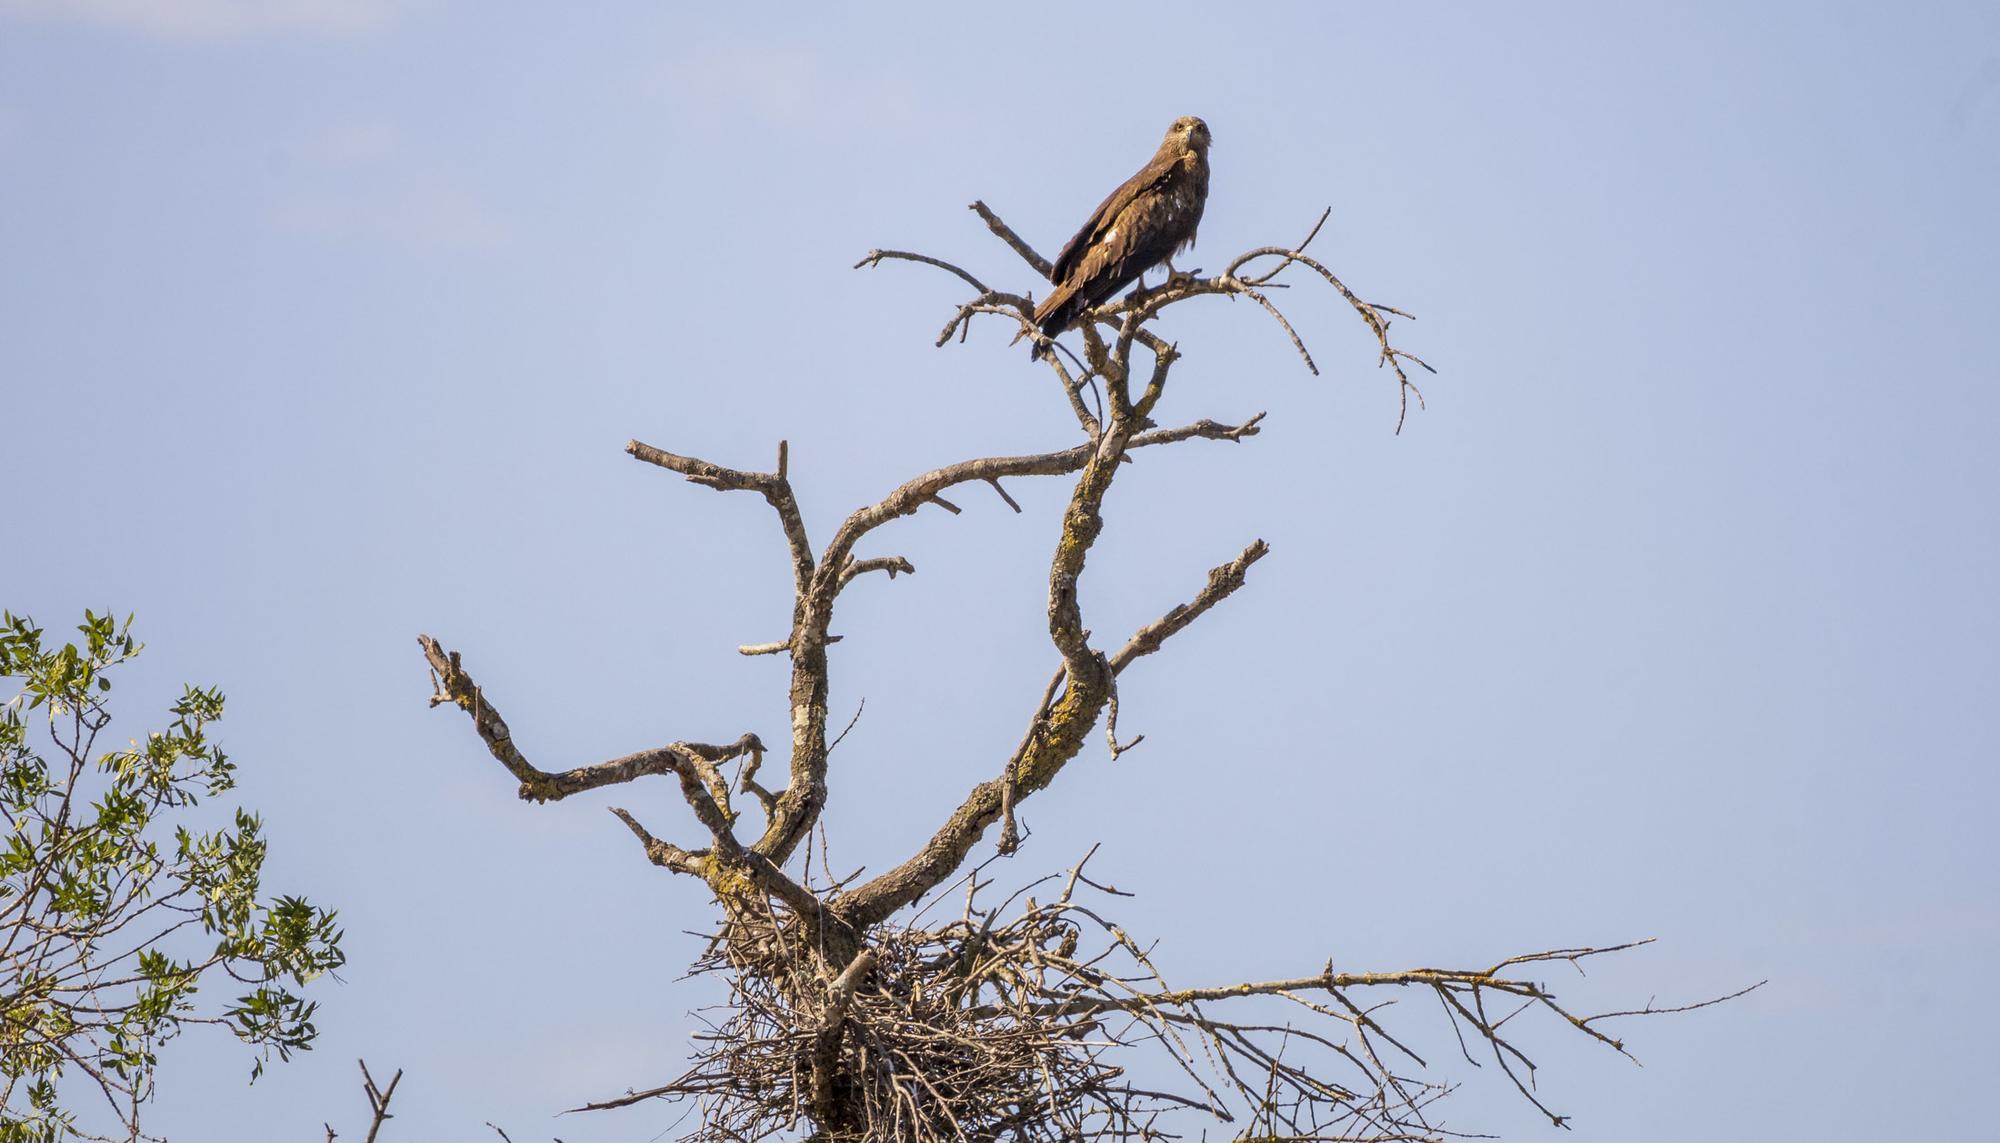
x=1147 y=220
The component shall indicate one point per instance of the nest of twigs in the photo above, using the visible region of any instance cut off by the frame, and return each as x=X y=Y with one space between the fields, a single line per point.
x=980 y=1029
x=942 y=1033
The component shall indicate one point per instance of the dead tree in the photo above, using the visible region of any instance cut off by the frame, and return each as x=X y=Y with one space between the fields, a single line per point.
x=854 y=1012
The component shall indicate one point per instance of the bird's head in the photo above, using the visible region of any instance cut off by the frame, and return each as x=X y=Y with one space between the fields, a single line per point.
x=1189 y=133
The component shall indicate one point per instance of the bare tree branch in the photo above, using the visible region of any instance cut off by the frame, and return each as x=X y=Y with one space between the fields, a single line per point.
x=913 y=494
x=826 y=1042
x=378 y=1100
x=1222 y=582
x=774 y=487
x=1056 y=733
x=1006 y=234
x=875 y=258
x=661 y=853
x=453 y=685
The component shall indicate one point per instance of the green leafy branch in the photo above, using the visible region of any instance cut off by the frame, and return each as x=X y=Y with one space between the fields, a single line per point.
x=113 y=912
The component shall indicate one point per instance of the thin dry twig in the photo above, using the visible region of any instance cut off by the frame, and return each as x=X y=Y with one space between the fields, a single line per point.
x=876 y=257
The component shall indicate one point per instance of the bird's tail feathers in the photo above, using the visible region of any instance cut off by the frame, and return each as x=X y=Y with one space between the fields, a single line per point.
x=1054 y=315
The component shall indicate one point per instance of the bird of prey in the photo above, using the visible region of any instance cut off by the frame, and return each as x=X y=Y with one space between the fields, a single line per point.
x=1147 y=220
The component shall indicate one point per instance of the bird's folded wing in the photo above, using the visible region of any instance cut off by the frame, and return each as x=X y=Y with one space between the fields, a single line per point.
x=1107 y=213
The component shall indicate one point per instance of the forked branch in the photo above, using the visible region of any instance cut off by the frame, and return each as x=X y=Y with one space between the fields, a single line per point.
x=774 y=487
x=1056 y=733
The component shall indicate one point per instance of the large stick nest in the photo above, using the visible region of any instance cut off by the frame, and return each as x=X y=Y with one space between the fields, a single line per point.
x=938 y=1036
x=982 y=1030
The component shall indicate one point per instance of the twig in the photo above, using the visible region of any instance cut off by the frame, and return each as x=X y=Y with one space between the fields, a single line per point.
x=378 y=1100
x=1006 y=234
x=877 y=257
x=839 y=738
x=894 y=565
x=1223 y=581
x=995 y=482
x=774 y=487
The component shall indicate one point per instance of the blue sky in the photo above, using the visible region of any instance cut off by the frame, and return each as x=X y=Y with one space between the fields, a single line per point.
x=1672 y=616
